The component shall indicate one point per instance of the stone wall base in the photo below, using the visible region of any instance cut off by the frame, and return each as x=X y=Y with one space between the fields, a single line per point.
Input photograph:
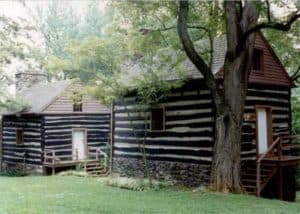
x=30 y=169
x=187 y=174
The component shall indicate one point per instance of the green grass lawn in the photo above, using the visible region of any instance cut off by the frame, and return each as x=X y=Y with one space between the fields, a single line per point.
x=75 y=195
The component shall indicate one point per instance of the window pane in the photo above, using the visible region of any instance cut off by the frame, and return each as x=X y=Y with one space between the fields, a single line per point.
x=157 y=116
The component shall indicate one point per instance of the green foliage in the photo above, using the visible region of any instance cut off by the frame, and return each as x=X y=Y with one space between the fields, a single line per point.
x=13 y=173
x=133 y=184
x=18 y=53
x=138 y=33
x=153 y=24
x=295 y=115
x=78 y=173
x=12 y=103
x=151 y=48
x=58 y=25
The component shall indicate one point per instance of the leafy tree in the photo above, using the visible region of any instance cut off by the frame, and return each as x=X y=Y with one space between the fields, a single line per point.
x=66 y=32
x=58 y=24
x=18 y=54
x=95 y=20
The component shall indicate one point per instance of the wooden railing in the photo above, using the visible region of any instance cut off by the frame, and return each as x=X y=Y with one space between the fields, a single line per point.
x=276 y=155
x=100 y=153
x=271 y=151
x=51 y=156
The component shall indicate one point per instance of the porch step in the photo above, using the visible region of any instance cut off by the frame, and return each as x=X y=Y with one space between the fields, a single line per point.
x=92 y=161
x=250 y=189
x=248 y=176
x=94 y=168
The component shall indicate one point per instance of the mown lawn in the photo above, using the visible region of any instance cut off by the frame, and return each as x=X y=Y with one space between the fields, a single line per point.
x=75 y=195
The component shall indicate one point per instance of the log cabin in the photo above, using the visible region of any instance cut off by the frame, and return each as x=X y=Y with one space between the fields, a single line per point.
x=63 y=127
x=178 y=134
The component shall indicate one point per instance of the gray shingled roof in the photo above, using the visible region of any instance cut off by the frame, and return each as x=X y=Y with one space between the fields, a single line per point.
x=40 y=95
x=132 y=69
x=219 y=51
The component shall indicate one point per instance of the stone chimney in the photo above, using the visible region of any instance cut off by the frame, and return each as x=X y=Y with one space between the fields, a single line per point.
x=26 y=80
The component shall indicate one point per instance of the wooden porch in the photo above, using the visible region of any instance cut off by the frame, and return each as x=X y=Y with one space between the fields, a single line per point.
x=278 y=157
x=95 y=164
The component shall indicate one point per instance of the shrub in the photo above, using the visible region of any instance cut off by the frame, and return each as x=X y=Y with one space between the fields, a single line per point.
x=133 y=184
x=13 y=173
x=73 y=173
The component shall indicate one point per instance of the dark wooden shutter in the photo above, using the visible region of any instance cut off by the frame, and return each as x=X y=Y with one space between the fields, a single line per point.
x=19 y=137
x=157 y=119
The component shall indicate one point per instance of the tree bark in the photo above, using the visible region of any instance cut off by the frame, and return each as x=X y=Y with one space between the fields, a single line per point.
x=225 y=173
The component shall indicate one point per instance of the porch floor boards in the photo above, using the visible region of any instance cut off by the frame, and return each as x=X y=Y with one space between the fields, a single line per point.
x=63 y=163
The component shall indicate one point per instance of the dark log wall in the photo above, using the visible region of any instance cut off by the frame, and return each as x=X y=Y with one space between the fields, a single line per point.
x=187 y=142
x=188 y=134
x=184 y=147
x=276 y=97
x=12 y=153
x=58 y=131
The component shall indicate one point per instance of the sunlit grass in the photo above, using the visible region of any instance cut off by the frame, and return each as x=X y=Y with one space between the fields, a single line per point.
x=75 y=195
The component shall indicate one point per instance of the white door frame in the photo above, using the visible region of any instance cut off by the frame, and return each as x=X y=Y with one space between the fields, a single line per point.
x=84 y=130
x=268 y=129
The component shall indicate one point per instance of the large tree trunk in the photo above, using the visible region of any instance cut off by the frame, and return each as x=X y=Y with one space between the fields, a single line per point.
x=225 y=174
x=225 y=170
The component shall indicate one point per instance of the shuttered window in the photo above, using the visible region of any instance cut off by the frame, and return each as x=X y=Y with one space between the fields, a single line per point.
x=158 y=119
x=257 y=63
x=77 y=102
x=19 y=137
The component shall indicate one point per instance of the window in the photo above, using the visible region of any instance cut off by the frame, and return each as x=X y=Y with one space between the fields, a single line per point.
x=77 y=102
x=158 y=119
x=257 y=63
x=19 y=137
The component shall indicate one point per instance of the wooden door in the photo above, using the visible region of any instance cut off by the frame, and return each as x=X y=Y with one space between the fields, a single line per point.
x=79 y=144
x=263 y=129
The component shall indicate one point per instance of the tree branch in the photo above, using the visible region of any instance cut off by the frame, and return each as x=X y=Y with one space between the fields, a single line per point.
x=145 y=31
x=268 y=11
x=274 y=25
x=296 y=75
x=192 y=54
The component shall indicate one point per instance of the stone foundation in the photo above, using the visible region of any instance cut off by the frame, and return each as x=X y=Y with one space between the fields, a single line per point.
x=30 y=169
x=187 y=174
